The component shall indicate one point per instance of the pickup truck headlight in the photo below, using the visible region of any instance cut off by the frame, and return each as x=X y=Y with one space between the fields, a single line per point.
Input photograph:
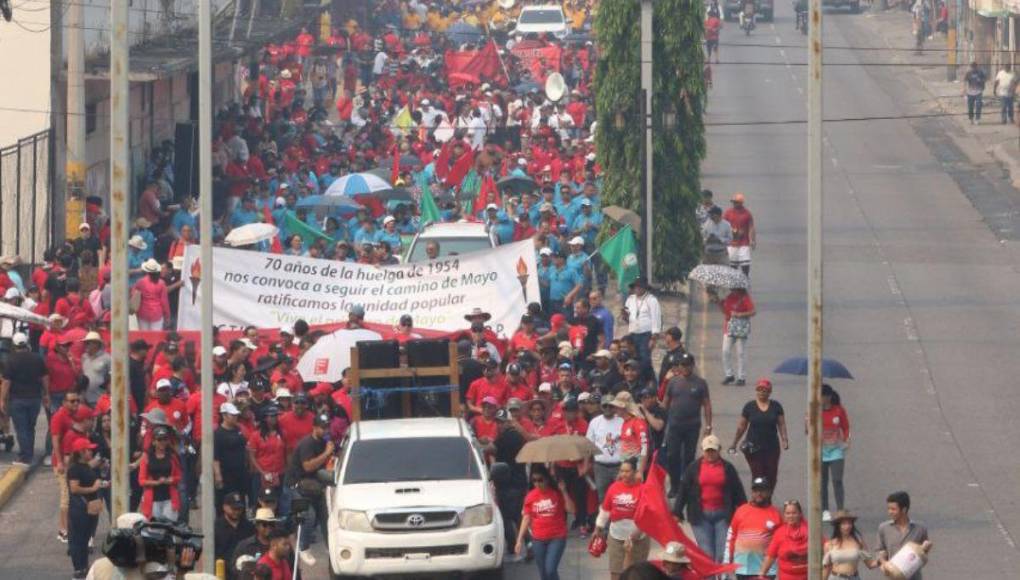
x=478 y=515
x=354 y=521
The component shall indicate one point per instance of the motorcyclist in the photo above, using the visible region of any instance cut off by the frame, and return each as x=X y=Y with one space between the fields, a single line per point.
x=747 y=14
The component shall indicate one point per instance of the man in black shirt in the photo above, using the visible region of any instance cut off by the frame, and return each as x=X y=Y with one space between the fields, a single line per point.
x=256 y=545
x=674 y=350
x=230 y=454
x=632 y=380
x=232 y=526
x=139 y=351
x=602 y=376
x=511 y=488
x=24 y=390
x=685 y=397
x=470 y=369
x=655 y=416
x=309 y=456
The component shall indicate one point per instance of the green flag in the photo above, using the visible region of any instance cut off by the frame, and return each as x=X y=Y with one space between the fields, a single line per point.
x=293 y=225
x=429 y=209
x=620 y=254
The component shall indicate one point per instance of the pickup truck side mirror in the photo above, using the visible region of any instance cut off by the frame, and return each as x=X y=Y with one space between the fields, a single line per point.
x=325 y=477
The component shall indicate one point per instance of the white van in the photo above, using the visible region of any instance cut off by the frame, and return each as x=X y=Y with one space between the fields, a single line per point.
x=546 y=18
x=413 y=496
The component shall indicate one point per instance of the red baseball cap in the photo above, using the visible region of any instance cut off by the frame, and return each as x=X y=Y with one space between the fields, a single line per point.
x=764 y=383
x=82 y=444
x=321 y=389
x=83 y=413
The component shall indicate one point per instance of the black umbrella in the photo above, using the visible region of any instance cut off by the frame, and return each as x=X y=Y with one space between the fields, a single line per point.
x=517 y=184
x=798 y=365
x=395 y=194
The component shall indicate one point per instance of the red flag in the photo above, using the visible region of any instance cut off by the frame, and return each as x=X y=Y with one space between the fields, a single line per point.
x=395 y=174
x=276 y=247
x=460 y=168
x=267 y=215
x=654 y=518
x=504 y=169
x=443 y=161
x=488 y=193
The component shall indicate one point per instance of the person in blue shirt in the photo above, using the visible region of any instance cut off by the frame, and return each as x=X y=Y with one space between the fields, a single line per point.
x=578 y=260
x=564 y=285
x=326 y=180
x=521 y=169
x=545 y=267
x=245 y=213
x=137 y=248
x=367 y=233
x=497 y=221
x=591 y=192
x=527 y=206
x=141 y=229
x=354 y=224
x=570 y=206
x=598 y=310
x=183 y=217
x=564 y=184
x=586 y=224
x=390 y=234
x=407 y=223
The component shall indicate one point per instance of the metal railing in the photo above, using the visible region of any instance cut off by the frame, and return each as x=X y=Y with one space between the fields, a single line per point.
x=26 y=176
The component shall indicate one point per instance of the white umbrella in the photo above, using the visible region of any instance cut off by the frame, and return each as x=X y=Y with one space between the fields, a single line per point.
x=331 y=354
x=21 y=315
x=251 y=234
x=358 y=184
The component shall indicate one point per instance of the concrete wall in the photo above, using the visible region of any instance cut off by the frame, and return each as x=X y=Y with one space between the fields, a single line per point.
x=25 y=47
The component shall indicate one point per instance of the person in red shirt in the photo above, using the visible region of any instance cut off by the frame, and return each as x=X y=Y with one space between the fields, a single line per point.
x=835 y=440
x=490 y=385
x=713 y=25
x=266 y=450
x=525 y=338
x=286 y=376
x=517 y=384
x=736 y=305
x=486 y=426
x=295 y=425
x=175 y=409
x=789 y=545
x=277 y=559
x=615 y=521
x=62 y=369
x=744 y=236
x=545 y=517
x=194 y=410
x=634 y=431
x=61 y=423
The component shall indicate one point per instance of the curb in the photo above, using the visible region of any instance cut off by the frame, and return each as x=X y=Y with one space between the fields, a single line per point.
x=11 y=482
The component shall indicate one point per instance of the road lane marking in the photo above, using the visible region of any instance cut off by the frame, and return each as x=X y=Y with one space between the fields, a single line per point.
x=894 y=287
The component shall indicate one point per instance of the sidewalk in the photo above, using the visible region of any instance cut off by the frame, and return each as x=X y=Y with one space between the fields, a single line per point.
x=988 y=142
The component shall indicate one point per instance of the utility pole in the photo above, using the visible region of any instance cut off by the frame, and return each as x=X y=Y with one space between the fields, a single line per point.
x=120 y=188
x=951 y=41
x=75 y=165
x=647 y=91
x=205 y=75
x=814 y=288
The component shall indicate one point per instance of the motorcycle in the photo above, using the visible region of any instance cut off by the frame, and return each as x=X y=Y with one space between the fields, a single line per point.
x=747 y=18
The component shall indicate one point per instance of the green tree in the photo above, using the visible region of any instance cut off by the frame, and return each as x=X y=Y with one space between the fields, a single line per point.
x=678 y=86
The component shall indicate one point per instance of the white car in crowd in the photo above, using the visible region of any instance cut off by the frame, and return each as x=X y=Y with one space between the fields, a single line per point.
x=546 y=18
x=454 y=239
x=413 y=496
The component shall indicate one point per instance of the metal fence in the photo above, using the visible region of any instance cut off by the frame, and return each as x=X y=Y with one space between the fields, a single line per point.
x=26 y=224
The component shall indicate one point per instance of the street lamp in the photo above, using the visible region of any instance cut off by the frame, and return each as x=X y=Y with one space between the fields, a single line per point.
x=669 y=118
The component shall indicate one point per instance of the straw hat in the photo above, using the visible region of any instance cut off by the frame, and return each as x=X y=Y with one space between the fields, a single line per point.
x=137 y=242
x=151 y=266
x=843 y=515
x=676 y=553
x=624 y=400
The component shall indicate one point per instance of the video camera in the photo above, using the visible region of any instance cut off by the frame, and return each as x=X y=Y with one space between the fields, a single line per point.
x=174 y=545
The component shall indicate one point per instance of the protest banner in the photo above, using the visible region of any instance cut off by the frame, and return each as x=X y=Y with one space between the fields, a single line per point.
x=271 y=290
x=538 y=58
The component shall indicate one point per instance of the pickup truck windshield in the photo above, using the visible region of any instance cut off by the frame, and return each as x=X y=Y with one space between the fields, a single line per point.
x=541 y=17
x=418 y=459
x=449 y=246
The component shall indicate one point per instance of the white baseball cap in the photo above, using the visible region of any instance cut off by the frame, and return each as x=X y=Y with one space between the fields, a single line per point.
x=545 y=388
x=577 y=241
x=219 y=351
x=492 y=206
x=163 y=384
x=283 y=393
x=388 y=219
x=545 y=252
x=19 y=339
x=12 y=293
x=229 y=409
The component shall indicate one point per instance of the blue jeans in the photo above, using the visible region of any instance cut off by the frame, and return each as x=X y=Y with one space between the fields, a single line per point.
x=24 y=413
x=711 y=533
x=548 y=554
x=642 y=343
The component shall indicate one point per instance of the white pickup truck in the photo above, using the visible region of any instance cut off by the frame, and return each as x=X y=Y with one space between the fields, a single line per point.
x=413 y=496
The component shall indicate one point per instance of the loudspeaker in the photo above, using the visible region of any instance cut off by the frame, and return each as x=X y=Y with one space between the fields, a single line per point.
x=185 y=160
x=378 y=354
x=428 y=352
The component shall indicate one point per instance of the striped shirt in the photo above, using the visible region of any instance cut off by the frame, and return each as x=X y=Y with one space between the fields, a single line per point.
x=749 y=535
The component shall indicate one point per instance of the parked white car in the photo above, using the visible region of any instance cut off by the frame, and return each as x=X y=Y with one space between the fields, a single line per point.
x=548 y=18
x=454 y=238
x=413 y=496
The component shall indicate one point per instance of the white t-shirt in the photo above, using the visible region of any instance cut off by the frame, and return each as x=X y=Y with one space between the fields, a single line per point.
x=605 y=434
x=1004 y=83
x=379 y=65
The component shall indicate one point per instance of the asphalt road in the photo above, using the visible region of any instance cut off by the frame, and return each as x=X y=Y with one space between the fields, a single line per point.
x=921 y=303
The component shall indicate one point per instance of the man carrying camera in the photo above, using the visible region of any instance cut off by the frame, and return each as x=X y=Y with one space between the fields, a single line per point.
x=301 y=479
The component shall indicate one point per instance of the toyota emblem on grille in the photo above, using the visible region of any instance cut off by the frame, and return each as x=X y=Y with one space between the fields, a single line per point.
x=415 y=520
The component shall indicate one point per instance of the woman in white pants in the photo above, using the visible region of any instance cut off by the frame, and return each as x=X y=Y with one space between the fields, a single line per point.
x=737 y=308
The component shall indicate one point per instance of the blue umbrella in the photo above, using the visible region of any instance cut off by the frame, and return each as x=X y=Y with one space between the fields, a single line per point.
x=798 y=365
x=357 y=183
x=463 y=33
x=341 y=202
